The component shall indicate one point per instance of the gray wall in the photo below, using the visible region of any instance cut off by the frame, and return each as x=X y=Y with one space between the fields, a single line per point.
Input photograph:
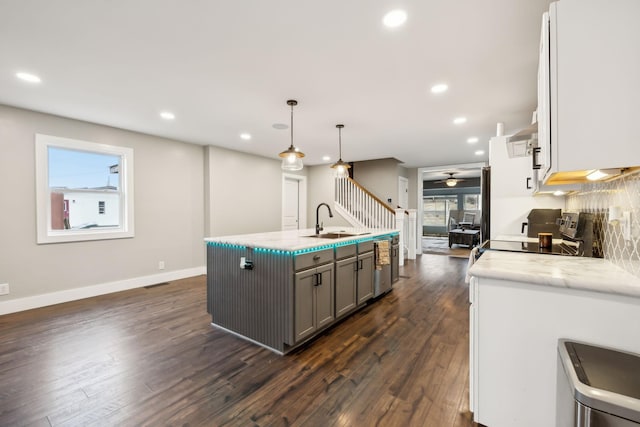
x=379 y=177
x=243 y=193
x=412 y=175
x=321 y=189
x=169 y=220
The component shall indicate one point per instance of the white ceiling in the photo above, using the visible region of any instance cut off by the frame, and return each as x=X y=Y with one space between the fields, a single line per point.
x=228 y=67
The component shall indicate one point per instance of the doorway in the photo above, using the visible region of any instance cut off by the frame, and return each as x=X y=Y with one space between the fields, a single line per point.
x=294 y=202
x=445 y=193
x=403 y=192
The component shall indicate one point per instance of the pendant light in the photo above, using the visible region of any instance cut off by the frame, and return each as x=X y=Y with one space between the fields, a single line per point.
x=340 y=166
x=292 y=157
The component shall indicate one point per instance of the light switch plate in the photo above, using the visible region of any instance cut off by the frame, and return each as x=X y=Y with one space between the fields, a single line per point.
x=4 y=288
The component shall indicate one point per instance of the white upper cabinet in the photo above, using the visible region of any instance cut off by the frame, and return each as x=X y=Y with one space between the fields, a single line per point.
x=589 y=88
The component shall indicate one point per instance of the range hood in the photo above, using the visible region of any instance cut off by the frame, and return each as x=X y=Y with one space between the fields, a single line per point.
x=522 y=143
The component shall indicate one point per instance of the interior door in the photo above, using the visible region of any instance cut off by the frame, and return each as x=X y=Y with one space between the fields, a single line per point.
x=403 y=192
x=291 y=210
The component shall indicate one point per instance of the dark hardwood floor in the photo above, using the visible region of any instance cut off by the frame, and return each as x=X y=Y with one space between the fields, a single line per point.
x=150 y=357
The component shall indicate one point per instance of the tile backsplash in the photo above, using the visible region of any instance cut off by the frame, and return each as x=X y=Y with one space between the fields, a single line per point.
x=598 y=198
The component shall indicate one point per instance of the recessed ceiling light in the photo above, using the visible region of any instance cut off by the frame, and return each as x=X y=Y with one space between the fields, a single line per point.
x=479 y=152
x=31 y=78
x=326 y=158
x=459 y=120
x=280 y=126
x=395 y=18
x=167 y=115
x=246 y=136
x=439 y=88
x=472 y=140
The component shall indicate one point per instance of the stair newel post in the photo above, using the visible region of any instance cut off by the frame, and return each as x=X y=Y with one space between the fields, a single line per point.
x=400 y=225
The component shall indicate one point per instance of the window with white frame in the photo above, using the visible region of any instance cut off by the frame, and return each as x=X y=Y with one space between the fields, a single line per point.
x=74 y=176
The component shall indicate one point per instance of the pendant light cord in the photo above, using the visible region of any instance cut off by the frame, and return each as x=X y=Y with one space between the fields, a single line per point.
x=292 y=126
x=340 y=141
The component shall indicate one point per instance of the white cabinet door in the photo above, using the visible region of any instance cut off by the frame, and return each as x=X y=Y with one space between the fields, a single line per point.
x=593 y=79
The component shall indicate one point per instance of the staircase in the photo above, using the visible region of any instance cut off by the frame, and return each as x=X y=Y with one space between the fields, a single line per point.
x=362 y=209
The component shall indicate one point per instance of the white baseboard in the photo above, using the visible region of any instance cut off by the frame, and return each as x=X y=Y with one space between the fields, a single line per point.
x=43 y=300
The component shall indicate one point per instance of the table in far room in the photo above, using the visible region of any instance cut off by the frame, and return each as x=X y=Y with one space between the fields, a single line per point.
x=461 y=236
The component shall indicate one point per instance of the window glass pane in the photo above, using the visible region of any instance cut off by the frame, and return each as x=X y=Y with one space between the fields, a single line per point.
x=436 y=210
x=84 y=190
x=78 y=182
x=471 y=202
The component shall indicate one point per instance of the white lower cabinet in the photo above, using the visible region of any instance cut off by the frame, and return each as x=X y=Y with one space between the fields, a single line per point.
x=514 y=333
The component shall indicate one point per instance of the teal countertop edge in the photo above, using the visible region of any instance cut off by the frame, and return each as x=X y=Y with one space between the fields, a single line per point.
x=305 y=250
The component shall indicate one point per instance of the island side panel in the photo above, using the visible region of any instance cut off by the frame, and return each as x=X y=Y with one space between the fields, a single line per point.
x=254 y=303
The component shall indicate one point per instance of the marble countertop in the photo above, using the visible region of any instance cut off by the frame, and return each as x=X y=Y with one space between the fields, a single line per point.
x=295 y=240
x=591 y=274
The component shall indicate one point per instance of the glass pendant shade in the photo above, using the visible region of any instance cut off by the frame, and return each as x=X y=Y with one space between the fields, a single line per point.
x=292 y=157
x=341 y=168
x=451 y=182
x=291 y=161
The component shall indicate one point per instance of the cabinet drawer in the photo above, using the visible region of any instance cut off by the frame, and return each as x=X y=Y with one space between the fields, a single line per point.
x=365 y=246
x=345 y=251
x=313 y=259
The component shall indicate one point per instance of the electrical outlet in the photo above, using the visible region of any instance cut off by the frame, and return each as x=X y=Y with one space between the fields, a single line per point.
x=626 y=225
x=4 y=288
x=160 y=265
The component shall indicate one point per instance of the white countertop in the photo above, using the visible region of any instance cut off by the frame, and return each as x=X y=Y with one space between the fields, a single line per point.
x=295 y=240
x=592 y=274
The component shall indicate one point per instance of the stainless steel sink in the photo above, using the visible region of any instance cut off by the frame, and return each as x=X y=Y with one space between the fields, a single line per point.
x=335 y=235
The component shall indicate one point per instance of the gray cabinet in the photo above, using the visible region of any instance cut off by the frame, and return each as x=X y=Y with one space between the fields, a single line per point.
x=313 y=293
x=365 y=272
x=346 y=279
x=365 y=277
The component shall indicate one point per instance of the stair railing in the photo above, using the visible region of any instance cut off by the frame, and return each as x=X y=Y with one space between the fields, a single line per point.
x=363 y=209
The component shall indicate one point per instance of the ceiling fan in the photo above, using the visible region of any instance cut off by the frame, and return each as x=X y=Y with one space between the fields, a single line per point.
x=451 y=181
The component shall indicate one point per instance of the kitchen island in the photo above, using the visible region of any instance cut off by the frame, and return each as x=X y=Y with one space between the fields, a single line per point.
x=521 y=304
x=280 y=289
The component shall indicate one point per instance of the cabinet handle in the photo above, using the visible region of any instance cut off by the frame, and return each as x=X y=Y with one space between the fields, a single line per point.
x=360 y=267
x=318 y=277
x=534 y=158
x=528 y=183
x=316 y=257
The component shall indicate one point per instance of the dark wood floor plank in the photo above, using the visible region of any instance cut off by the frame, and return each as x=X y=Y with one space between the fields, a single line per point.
x=150 y=357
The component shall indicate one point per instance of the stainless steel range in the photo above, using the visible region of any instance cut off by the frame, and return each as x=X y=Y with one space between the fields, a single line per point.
x=575 y=231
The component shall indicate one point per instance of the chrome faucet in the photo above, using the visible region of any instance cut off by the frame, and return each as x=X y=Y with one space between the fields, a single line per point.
x=319 y=227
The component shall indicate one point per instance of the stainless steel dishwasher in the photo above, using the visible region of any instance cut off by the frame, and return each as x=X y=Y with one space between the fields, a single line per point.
x=596 y=386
